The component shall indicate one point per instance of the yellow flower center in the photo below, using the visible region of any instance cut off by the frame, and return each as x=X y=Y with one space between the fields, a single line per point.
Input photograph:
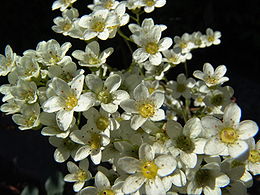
x=228 y=135
x=67 y=27
x=81 y=175
x=93 y=60
x=98 y=26
x=198 y=42
x=54 y=58
x=211 y=39
x=254 y=156
x=107 y=192
x=152 y=48
x=30 y=121
x=102 y=123
x=211 y=80
x=105 y=97
x=146 y=110
x=71 y=102
x=183 y=45
x=149 y=169
x=181 y=88
x=173 y=59
x=95 y=141
x=108 y=4
x=150 y=2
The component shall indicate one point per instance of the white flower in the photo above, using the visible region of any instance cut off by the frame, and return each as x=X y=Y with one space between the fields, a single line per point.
x=62 y=4
x=29 y=117
x=184 y=42
x=106 y=93
x=144 y=106
x=218 y=99
x=207 y=179
x=197 y=39
x=98 y=24
x=175 y=57
x=103 y=4
x=65 y=24
x=156 y=72
x=66 y=72
x=186 y=141
x=7 y=62
x=212 y=37
x=65 y=148
x=103 y=186
x=78 y=174
x=52 y=129
x=148 y=170
x=150 y=43
x=67 y=99
x=51 y=53
x=211 y=77
x=228 y=137
x=151 y=4
x=92 y=57
x=253 y=161
x=181 y=87
x=101 y=120
x=92 y=143
x=27 y=68
x=134 y=4
x=25 y=91
x=12 y=106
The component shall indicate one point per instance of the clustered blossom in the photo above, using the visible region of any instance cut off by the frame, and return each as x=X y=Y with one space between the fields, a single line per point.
x=158 y=136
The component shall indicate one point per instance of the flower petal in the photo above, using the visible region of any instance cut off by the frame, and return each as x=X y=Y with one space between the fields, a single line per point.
x=128 y=164
x=64 y=119
x=146 y=152
x=137 y=121
x=133 y=183
x=166 y=165
x=238 y=148
x=129 y=106
x=232 y=115
x=247 y=129
x=113 y=82
x=53 y=104
x=141 y=92
x=154 y=187
x=101 y=181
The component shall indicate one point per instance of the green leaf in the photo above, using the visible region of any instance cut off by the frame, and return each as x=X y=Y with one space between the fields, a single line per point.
x=54 y=185
x=29 y=190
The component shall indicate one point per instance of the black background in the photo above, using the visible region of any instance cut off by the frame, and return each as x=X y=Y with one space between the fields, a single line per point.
x=26 y=157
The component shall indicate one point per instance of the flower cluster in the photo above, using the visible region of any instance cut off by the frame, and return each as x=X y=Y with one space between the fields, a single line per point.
x=156 y=136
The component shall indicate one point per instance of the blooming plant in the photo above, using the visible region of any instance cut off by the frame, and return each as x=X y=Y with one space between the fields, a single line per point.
x=157 y=136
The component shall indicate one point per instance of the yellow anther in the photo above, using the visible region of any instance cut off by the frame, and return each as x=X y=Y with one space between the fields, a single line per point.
x=150 y=3
x=71 y=102
x=102 y=123
x=149 y=169
x=228 y=135
x=146 y=110
x=98 y=26
x=254 y=156
x=152 y=48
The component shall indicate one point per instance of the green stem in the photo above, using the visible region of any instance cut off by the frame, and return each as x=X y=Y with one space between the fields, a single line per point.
x=187 y=108
x=78 y=119
x=186 y=69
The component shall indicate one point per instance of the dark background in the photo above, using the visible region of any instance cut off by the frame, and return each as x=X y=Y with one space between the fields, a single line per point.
x=26 y=156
